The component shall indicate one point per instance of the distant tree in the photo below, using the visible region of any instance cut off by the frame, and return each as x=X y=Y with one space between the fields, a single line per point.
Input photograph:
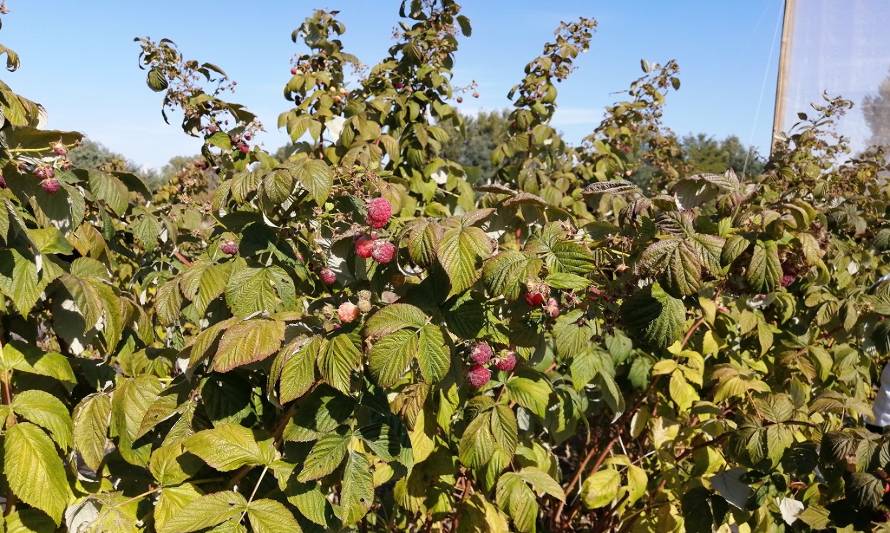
x=472 y=146
x=704 y=153
x=93 y=155
x=876 y=109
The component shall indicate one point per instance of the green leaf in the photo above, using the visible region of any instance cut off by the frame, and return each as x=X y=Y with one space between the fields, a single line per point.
x=248 y=342
x=156 y=80
x=170 y=465
x=533 y=394
x=111 y=190
x=130 y=402
x=92 y=417
x=391 y=356
x=601 y=488
x=433 y=356
x=19 y=280
x=253 y=290
x=229 y=447
x=357 y=489
x=515 y=497
x=85 y=296
x=324 y=457
x=566 y=281
x=205 y=512
x=337 y=359
x=477 y=443
x=316 y=176
x=506 y=273
x=46 y=411
x=658 y=316
x=168 y=301
x=458 y=252
x=298 y=371
x=394 y=317
x=270 y=516
x=765 y=270
x=34 y=470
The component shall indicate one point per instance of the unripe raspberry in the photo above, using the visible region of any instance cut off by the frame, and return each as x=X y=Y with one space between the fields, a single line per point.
x=348 y=312
x=506 y=363
x=379 y=212
x=229 y=248
x=59 y=148
x=481 y=353
x=478 y=376
x=384 y=251
x=364 y=246
x=328 y=277
x=552 y=308
x=44 y=172
x=50 y=185
x=65 y=164
x=364 y=301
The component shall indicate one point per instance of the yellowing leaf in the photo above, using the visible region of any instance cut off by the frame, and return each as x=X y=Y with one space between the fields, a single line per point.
x=34 y=470
x=248 y=342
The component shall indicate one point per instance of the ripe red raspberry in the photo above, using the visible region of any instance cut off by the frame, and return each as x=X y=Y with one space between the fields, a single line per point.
x=50 y=185
x=788 y=279
x=229 y=248
x=481 y=353
x=379 y=212
x=293 y=71
x=44 y=172
x=552 y=308
x=59 y=148
x=383 y=252
x=2 y=182
x=364 y=246
x=536 y=293
x=243 y=147
x=348 y=312
x=506 y=363
x=398 y=85
x=478 y=376
x=327 y=276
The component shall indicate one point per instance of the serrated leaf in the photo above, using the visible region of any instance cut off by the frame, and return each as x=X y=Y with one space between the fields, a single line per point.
x=34 y=470
x=324 y=457
x=394 y=317
x=316 y=177
x=601 y=488
x=229 y=447
x=357 y=489
x=391 y=356
x=658 y=316
x=270 y=516
x=506 y=273
x=458 y=252
x=433 y=355
x=92 y=417
x=338 y=359
x=205 y=512
x=248 y=342
x=298 y=371
x=765 y=270
x=48 y=412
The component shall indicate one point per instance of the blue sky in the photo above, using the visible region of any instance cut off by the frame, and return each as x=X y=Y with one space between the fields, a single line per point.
x=79 y=59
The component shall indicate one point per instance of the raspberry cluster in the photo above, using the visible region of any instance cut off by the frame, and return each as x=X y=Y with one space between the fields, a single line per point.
x=481 y=356
x=369 y=246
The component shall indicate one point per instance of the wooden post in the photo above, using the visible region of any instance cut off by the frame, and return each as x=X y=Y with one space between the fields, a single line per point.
x=782 y=78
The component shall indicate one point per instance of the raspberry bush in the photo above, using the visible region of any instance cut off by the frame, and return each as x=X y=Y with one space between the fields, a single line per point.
x=352 y=337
